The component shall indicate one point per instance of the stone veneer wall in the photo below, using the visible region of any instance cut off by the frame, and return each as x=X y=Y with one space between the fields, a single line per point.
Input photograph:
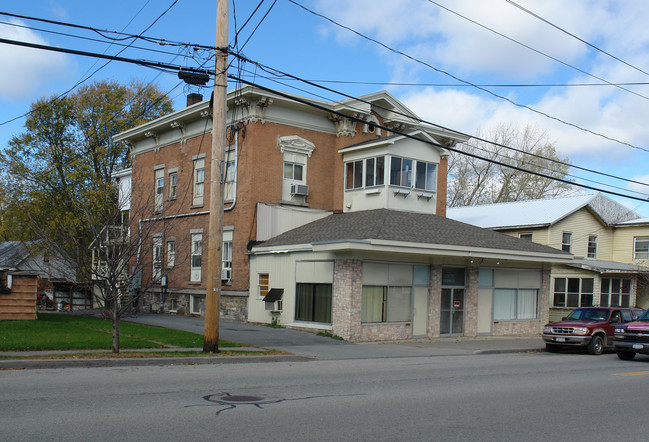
x=386 y=332
x=533 y=326
x=471 y=302
x=434 y=301
x=346 y=303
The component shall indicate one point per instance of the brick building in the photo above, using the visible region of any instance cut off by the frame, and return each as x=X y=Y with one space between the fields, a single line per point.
x=334 y=219
x=281 y=155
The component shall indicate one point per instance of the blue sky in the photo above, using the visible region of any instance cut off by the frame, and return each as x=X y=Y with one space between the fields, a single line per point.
x=293 y=40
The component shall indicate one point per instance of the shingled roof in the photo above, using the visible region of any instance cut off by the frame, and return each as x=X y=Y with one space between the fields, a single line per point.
x=12 y=254
x=407 y=227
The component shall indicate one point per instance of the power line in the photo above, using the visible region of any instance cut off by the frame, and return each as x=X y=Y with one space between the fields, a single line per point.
x=284 y=74
x=101 y=32
x=304 y=101
x=357 y=119
x=258 y=24
x=441 y=71
x=536 y=50
x=527 y=11
x=493 y=143
x=96 y=40
x=83 y=80
x=238 y=31
x=456 y=85
x=141 y=62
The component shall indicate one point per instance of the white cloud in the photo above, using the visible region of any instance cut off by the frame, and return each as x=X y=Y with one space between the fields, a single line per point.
x=639 y=187
x=26 y=72
x=469 y=52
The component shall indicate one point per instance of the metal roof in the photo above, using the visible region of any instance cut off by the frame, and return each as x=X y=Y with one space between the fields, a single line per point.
x=537 y=213
x=607 y=266
x=634 y=222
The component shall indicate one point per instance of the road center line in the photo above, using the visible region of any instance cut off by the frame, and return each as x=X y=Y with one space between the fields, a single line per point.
x=633 y=373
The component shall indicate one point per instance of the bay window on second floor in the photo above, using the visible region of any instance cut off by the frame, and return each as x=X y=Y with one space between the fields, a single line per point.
x=403 y=172
x=368 y=172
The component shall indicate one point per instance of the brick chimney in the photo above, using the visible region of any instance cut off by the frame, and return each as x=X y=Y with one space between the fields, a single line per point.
x=193 y=99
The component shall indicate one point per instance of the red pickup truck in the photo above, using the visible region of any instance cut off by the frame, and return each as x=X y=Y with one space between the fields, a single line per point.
x=632 y=338
x=590 y=327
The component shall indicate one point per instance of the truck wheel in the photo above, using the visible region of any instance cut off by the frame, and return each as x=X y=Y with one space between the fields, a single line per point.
x=552 y=348
x=596 y=345
x=626 y=355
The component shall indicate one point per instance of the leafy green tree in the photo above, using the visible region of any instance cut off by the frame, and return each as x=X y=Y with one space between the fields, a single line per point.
x=474 y=181
x=57 y=174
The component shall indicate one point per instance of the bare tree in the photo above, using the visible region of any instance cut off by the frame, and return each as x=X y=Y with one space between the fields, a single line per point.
x=474 y=181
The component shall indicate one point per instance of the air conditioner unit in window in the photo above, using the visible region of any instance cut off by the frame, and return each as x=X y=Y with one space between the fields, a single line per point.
x=275 y=306
x=273 y=300
x=226 y=276
x=299 y=189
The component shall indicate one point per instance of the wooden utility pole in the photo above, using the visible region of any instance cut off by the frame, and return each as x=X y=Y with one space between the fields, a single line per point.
x=215 y=235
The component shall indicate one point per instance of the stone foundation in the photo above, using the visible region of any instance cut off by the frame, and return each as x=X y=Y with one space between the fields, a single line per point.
x=234 y=305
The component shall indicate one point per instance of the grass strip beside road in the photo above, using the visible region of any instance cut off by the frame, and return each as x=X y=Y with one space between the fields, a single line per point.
x=53 y=331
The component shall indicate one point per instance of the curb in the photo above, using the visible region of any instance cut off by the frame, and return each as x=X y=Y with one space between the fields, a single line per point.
x=21 y=364
x=512 y=350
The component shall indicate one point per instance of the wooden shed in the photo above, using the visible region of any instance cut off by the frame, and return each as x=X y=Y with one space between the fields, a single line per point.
x=18 y=293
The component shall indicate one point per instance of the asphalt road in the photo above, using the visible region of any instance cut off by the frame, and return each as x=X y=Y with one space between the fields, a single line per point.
x=531 y=396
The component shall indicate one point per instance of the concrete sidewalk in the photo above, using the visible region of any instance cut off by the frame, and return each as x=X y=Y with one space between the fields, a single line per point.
x=301 y=346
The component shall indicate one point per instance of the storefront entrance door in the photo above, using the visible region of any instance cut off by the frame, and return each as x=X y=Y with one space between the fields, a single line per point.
x=452 y=311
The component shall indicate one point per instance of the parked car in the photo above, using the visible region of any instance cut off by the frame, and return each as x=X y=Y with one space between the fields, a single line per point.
x=590 y=327
x=632 y=338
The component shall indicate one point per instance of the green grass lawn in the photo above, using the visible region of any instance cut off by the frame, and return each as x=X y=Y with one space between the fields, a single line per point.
x=53 y=331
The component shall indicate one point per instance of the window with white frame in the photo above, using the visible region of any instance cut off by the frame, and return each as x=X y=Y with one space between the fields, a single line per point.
x=226 y=271
x=171 y=253
x=197 y=304
x=159 y=189
x=641 y=248
x=566 y=242
x=229 y=183
x=293 y=171
x=573 y=292
x=368 y=172
x=615 y=292
x=157 y=258
x=263 y=284
x=526 y=236
x=199 y=182
x=173 y=184
x=196 y=257
x=296 y=151
x=401 y=173
x=592 y=246
x=426 y=176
